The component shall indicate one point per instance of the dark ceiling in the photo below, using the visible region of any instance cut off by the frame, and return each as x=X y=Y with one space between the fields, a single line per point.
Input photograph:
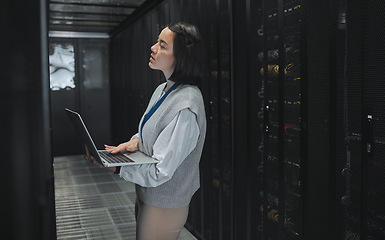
x=89 y=17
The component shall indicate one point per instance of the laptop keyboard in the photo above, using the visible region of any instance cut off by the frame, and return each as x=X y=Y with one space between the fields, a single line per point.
x=114 y=158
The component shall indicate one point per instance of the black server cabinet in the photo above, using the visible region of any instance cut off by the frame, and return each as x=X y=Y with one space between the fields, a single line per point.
x=279 y=195
x=321 y=170
x=27 y=185
x=219 y=117
x=363 y=171
x=300 y=57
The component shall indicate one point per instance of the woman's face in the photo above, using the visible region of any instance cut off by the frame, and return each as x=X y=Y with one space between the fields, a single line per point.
x=162 y=53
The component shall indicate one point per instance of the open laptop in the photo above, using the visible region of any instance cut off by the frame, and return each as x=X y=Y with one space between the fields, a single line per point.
x=102 y=156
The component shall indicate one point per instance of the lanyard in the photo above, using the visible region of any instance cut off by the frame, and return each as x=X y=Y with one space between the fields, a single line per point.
x=155 y=107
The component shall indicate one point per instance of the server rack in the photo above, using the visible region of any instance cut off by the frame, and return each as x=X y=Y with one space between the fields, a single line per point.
x=279 y=54
x=301 y=56
x=363 y=171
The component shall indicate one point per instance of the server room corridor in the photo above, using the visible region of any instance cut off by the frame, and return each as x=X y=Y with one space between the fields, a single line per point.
x=293 y=94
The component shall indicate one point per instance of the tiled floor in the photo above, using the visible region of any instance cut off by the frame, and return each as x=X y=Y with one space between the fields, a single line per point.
x=92 y=203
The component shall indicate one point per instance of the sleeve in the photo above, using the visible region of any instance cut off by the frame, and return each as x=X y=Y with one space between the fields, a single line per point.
x=135 y=136
x=173 y=145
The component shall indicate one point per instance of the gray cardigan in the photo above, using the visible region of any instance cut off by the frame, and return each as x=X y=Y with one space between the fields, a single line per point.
x=178 y=191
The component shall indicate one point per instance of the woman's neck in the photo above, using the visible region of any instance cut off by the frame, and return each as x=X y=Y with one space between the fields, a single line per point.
x=169 y=85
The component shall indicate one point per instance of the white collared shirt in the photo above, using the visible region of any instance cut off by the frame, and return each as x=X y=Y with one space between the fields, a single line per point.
x=172 y=146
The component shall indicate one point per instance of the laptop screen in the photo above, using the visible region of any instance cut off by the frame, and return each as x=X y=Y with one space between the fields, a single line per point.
x=83 y=133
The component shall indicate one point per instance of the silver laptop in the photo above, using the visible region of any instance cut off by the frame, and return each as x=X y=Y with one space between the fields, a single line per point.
x=102 y=156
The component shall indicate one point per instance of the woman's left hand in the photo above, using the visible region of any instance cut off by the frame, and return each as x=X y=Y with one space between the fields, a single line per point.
x=129 y=146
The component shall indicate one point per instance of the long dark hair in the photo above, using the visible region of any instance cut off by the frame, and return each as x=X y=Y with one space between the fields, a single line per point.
x=188 y=53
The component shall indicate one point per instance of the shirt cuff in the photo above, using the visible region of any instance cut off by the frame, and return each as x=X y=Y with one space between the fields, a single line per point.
x=135 y=136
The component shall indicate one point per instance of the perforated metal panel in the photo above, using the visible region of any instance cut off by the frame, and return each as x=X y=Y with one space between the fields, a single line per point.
x=364 y=192
x=92 y=203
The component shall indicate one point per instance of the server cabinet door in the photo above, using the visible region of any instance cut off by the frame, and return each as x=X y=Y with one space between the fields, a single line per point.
x=279 y=55
x=364 y=193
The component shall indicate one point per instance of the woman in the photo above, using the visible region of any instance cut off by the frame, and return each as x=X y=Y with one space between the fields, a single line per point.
x=172 y=131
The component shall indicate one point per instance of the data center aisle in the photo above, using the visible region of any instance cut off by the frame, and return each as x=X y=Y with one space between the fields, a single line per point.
x=92 y=203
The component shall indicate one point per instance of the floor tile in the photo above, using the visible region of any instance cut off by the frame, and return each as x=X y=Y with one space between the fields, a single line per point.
x=92 y=203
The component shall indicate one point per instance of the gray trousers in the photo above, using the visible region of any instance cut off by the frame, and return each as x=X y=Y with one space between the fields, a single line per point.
x=154 y=223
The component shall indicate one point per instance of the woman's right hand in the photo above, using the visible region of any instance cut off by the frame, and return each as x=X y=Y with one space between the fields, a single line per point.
x=129 y=146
